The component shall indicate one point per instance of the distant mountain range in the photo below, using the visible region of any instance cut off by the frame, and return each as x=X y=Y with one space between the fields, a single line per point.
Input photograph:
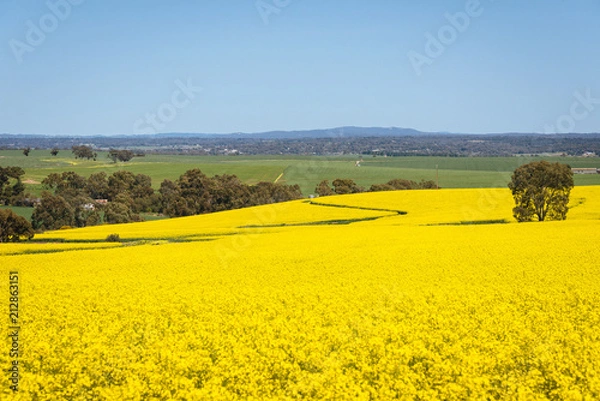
x=339 y=132
x=344 y=132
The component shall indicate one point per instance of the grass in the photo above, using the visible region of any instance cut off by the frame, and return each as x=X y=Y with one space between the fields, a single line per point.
x=20 y=210
x=306 y=171
x=153 y=216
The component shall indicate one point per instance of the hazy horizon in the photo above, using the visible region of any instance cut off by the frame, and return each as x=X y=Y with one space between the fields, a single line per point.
x=335 y=131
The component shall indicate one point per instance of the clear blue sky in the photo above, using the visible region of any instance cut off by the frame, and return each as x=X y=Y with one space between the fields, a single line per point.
x=107 y=66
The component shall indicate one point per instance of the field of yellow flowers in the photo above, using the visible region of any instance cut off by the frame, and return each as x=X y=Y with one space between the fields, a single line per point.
x=333 y=298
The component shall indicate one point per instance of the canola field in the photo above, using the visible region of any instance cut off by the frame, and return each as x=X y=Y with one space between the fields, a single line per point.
x=336 y=298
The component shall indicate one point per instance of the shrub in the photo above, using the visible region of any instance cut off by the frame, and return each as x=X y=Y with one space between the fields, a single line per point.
x=113 y=238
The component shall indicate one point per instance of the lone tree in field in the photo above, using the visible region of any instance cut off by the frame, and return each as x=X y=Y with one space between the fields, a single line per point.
x=541 y=190
x=120 y=155
x=84 y=152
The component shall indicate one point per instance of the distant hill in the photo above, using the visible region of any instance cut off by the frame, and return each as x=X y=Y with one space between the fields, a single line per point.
x=339 y=132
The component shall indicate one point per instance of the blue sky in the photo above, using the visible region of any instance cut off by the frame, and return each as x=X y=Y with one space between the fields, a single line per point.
x=144 y=66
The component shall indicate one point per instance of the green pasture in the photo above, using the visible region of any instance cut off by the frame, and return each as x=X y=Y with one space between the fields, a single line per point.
x=306 y=171
x=20 y=210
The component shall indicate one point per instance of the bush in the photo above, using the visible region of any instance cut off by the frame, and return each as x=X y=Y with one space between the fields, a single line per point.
x=113 y=238
x=346 y=186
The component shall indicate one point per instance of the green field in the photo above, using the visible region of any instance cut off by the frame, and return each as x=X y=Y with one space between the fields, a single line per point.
x=306 y=171
x=20 y=210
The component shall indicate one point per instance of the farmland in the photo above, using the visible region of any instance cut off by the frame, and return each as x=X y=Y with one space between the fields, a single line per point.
x=307 y=172
x=323 y=299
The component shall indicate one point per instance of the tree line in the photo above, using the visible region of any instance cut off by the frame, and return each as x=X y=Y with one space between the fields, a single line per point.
x=88 y=153
x=75 y=201
x=347 y=186
x=195 y=193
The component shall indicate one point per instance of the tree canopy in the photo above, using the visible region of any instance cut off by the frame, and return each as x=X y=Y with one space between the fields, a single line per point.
x=346 y=186
x=120 y=155
x=76 y=201
x=11 y=187
x=13 y=227
x=84 y=152
x=72 y=200
x=196 y=193
x=541 y=191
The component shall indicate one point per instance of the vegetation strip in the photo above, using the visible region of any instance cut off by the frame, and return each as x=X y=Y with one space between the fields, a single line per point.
x=358 y=207
x=135 y=242
x=470 y=223
x=317 y=223
x=191 y=238
x=45 y=251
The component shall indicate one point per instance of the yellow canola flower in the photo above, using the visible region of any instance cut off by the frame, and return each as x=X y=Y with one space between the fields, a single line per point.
x=399 y=307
